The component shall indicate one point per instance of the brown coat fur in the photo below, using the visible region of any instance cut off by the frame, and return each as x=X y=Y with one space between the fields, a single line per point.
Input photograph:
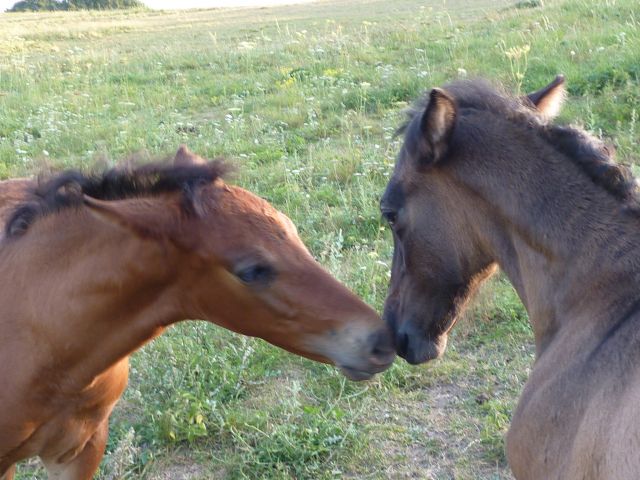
x=86 y=283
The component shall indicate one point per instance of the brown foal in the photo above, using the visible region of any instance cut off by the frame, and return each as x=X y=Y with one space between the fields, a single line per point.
x=95 y=267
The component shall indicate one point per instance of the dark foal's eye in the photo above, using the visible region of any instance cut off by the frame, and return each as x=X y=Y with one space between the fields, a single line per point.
x=258 y=273
x=391 y=216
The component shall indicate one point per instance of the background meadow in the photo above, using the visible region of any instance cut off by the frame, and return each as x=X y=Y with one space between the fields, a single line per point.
x=304 y=100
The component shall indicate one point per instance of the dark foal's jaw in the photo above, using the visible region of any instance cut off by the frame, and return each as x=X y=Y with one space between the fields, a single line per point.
x=438 y=260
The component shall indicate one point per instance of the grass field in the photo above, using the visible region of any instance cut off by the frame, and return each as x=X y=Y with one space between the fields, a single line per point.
x=305 y=100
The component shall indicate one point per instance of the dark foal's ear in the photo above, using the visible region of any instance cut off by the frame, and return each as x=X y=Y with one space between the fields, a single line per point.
x=436 y=125
x=548 y=100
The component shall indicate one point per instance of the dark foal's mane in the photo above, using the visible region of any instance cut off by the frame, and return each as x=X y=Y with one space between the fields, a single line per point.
x=67 y=189
x=589 y=153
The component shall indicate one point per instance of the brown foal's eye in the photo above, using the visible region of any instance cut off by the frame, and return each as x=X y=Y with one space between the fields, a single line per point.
x=256 y=274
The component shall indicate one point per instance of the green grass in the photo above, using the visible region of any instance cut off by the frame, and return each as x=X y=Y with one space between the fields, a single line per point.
x=305 y=101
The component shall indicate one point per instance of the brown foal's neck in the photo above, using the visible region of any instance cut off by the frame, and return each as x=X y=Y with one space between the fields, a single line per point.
x=96 y=293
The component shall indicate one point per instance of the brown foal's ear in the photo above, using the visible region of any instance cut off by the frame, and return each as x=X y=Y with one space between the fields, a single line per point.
x=549 y=99
x=437 y=124
x=121 y=213
x=185 y=157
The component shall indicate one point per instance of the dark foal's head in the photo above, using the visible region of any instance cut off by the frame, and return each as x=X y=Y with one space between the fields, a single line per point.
x=438 y=259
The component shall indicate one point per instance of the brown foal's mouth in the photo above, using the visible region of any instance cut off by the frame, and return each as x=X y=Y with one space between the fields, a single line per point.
x=356 y=375
x=359 y=375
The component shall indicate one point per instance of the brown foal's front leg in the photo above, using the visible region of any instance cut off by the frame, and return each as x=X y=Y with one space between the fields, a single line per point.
x=86 y=463
x=9 y=473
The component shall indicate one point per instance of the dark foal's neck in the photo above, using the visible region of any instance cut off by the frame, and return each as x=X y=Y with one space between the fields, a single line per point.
x=569 y=247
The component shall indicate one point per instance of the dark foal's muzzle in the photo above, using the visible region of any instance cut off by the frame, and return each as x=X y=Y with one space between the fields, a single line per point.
x=411 y=341
x=415 y=347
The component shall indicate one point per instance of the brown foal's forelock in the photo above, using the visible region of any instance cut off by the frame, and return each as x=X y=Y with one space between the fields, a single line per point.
x=483 y=180
x=94 y=267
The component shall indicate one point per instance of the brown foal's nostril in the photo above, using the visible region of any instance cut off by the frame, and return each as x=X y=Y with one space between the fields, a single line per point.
x=382 y=347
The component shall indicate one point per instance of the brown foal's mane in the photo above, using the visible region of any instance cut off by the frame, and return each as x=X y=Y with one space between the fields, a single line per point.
x=586 y=151
x=67 y=189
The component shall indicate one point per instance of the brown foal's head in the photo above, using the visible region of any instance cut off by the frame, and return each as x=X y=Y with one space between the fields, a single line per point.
x=235 y=260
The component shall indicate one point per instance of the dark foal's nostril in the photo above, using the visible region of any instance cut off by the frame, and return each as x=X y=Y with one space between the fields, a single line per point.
x=402 y=344
x=382 y=347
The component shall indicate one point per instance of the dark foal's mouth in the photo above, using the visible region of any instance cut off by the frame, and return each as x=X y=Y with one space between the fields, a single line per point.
x=416 y=350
